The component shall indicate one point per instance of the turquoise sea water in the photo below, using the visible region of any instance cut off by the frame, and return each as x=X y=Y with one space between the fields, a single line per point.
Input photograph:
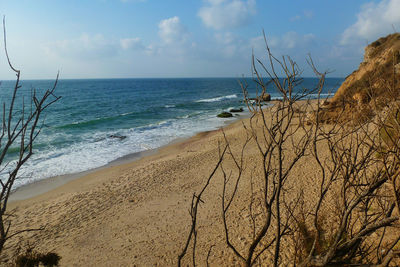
x=80 y=130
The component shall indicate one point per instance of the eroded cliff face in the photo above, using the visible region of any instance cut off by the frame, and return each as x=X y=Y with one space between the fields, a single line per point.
x=369 y=88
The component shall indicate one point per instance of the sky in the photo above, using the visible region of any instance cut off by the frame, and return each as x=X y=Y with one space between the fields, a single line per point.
x=187 y=38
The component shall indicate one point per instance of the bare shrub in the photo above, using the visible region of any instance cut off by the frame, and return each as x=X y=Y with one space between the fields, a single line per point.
x=20 y=126
x=353 y=214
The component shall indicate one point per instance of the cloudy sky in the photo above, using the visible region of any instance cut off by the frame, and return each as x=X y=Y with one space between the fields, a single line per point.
x=187 y=38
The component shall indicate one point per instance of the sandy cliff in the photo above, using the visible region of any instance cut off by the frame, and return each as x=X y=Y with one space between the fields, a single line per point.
x=372 y=85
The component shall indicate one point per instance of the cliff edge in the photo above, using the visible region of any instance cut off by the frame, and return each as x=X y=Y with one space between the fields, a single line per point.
x=373 y=85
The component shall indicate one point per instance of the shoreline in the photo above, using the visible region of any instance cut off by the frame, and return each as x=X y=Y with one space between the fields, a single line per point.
x=42 y=186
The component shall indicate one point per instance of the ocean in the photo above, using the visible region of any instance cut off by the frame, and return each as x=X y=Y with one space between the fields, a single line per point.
x=98 y=121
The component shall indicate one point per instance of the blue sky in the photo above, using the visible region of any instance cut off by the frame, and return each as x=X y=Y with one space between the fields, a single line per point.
x=191 y=38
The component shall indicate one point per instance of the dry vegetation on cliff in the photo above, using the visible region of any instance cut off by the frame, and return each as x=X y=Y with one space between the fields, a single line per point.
x=370 y=88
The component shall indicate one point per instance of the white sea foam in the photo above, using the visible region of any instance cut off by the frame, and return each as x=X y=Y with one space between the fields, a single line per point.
x=216 y=99
x=322 y=96
x=127 y=113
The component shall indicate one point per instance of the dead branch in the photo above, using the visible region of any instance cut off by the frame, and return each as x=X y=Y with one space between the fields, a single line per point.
x=20 y=129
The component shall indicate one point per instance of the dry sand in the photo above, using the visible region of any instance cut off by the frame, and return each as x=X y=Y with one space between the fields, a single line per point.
x=136 y=214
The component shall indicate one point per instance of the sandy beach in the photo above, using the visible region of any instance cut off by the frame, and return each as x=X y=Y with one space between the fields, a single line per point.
x=132 y=214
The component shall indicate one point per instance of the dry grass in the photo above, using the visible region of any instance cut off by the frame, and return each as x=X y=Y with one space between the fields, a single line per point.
x=368 y=89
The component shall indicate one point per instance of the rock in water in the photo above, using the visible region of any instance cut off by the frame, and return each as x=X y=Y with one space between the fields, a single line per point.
x=120 y=137
x=225 y=115
x=236 y=110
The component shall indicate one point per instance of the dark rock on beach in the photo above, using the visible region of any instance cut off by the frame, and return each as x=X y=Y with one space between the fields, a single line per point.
x=262 y=98
x=233 y=110
x=225 y=115
x=266 y=97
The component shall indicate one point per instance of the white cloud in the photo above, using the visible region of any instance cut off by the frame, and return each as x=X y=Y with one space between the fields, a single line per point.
x=175 y=40
x=225 y=14
x=225 y=38
x=172 y=31
x=229 y=44
x=131 y=43
x=374 y=20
